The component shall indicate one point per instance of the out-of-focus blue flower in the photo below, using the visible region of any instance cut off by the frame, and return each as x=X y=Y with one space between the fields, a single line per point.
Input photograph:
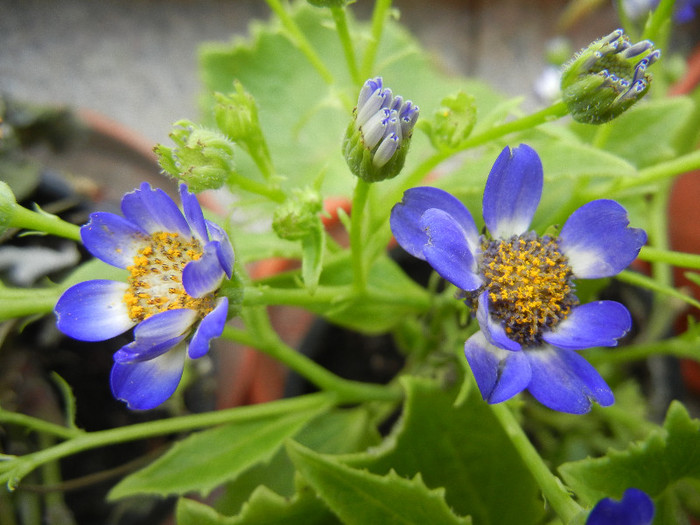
x=606 y=78
x=176 y=263
x=635 y=508
x=377 y=140
x=637 y=10
x=521 y=285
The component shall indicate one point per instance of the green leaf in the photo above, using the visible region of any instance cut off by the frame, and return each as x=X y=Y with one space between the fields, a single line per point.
x=206 y=459
x=360 y=497
x=461 y=448
x=667 y=456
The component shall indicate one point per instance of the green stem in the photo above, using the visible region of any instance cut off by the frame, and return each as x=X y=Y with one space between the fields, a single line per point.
x=273 y=193
x=553 y=489
x=300 y=40
x=21 y=302
x=381 y=9
x=42 y=222
x=661 y=171
x=679 y=259
x=90 y=440
x=341 y=25
x=38 y=425
x=357 y=234
x=677 y=347
x=261 y=336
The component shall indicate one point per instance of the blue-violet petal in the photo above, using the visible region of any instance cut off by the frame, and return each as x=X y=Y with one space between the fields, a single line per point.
x=600 y=323
x=112 y=238
x=210 y=327
x=152 y=210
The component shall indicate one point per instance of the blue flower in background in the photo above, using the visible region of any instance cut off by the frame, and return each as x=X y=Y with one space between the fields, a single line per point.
x=521 y=285
x=635 y=508
x=638 y=10
x=176 y=263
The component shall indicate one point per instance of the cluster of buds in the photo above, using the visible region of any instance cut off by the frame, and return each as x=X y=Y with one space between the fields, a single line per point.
x=377 y=139
x=607 y=77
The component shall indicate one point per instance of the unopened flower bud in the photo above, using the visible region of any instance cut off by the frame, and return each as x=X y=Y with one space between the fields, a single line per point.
x=377 y=140
x=298 y=215
x=201 y=157
x=452 y=122
x=607 y=77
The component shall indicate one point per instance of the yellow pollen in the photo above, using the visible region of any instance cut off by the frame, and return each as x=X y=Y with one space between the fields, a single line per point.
x=154 y=286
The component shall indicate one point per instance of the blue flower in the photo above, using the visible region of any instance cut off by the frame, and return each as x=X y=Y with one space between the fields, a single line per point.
x=521 y=285
x=635 y=508
x=176 y=263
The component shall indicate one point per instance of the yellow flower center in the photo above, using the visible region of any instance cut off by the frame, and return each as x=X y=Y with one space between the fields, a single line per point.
x=155 y=278
x=530 y=285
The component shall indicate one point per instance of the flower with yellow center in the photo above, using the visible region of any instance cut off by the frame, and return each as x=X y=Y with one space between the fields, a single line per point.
x=521 y=285
x=176 y=262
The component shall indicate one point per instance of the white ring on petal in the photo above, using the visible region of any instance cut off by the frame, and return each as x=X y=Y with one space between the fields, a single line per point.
x=112 y=238
x=599 y=323
x=491 y=328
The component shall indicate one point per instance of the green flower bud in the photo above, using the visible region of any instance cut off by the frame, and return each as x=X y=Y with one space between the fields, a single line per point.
x=202 y=158
x=8 y=205
x=452 y=122
x=377 y=140
x=298 y=215
x=607 y=77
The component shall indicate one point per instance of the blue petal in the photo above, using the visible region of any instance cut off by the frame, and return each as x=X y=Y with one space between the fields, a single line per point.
x=500 y=374
x=210 y=327
x=600 y=323
x=448 y=250
x=405 y=218
x=93 y=310
x=494 y=331
x=147 y=384
x=193 y=213
x=164 y=325
x=152 y=210
x=598 y=242
x=112 y=238
x=635 y=508
x=512 y=192
x=565 y=381
x=224 y=249
x=204 y=275
x=141 y=351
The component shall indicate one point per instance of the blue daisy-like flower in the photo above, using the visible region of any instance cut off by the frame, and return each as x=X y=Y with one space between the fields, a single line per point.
x=176 y=263
x=521 y=285
x=635 y=508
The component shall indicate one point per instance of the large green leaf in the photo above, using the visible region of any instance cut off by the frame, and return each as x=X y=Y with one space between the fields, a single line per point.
x=461 y=448
x=360 y=497
x=206 y=459
x=667 y=456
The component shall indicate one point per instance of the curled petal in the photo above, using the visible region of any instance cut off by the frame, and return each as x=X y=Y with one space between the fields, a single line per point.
x=224 y=249
x=193 y=213
x=152 y=210
x=448 y=250
x=405 y=218
x=600 y=323
x=93 y=310
x=164 y=325
x=112 y=238
x=513 y=191
x=492 y=329
x=210 y=327
x=147 y=384
x=565 y=381
x=598 y=242
x=141 y=351
x=500 y=374
x=204 y=275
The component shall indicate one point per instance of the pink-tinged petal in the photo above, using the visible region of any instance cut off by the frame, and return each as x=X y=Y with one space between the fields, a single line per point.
x=152 y=210
x=112 y=238
x=143 y=351
x=512 y=192
x=493 y=330
x=500 y=374
x=598 y=242
x=204 y=275
x=635 y=508
x=146 y=384
x=405 y=218
x=448 y=250
x=563 y=380
x=224 y=249
x=600 y=323
x=193 y=214
x=93 y=310
x=210 y=327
